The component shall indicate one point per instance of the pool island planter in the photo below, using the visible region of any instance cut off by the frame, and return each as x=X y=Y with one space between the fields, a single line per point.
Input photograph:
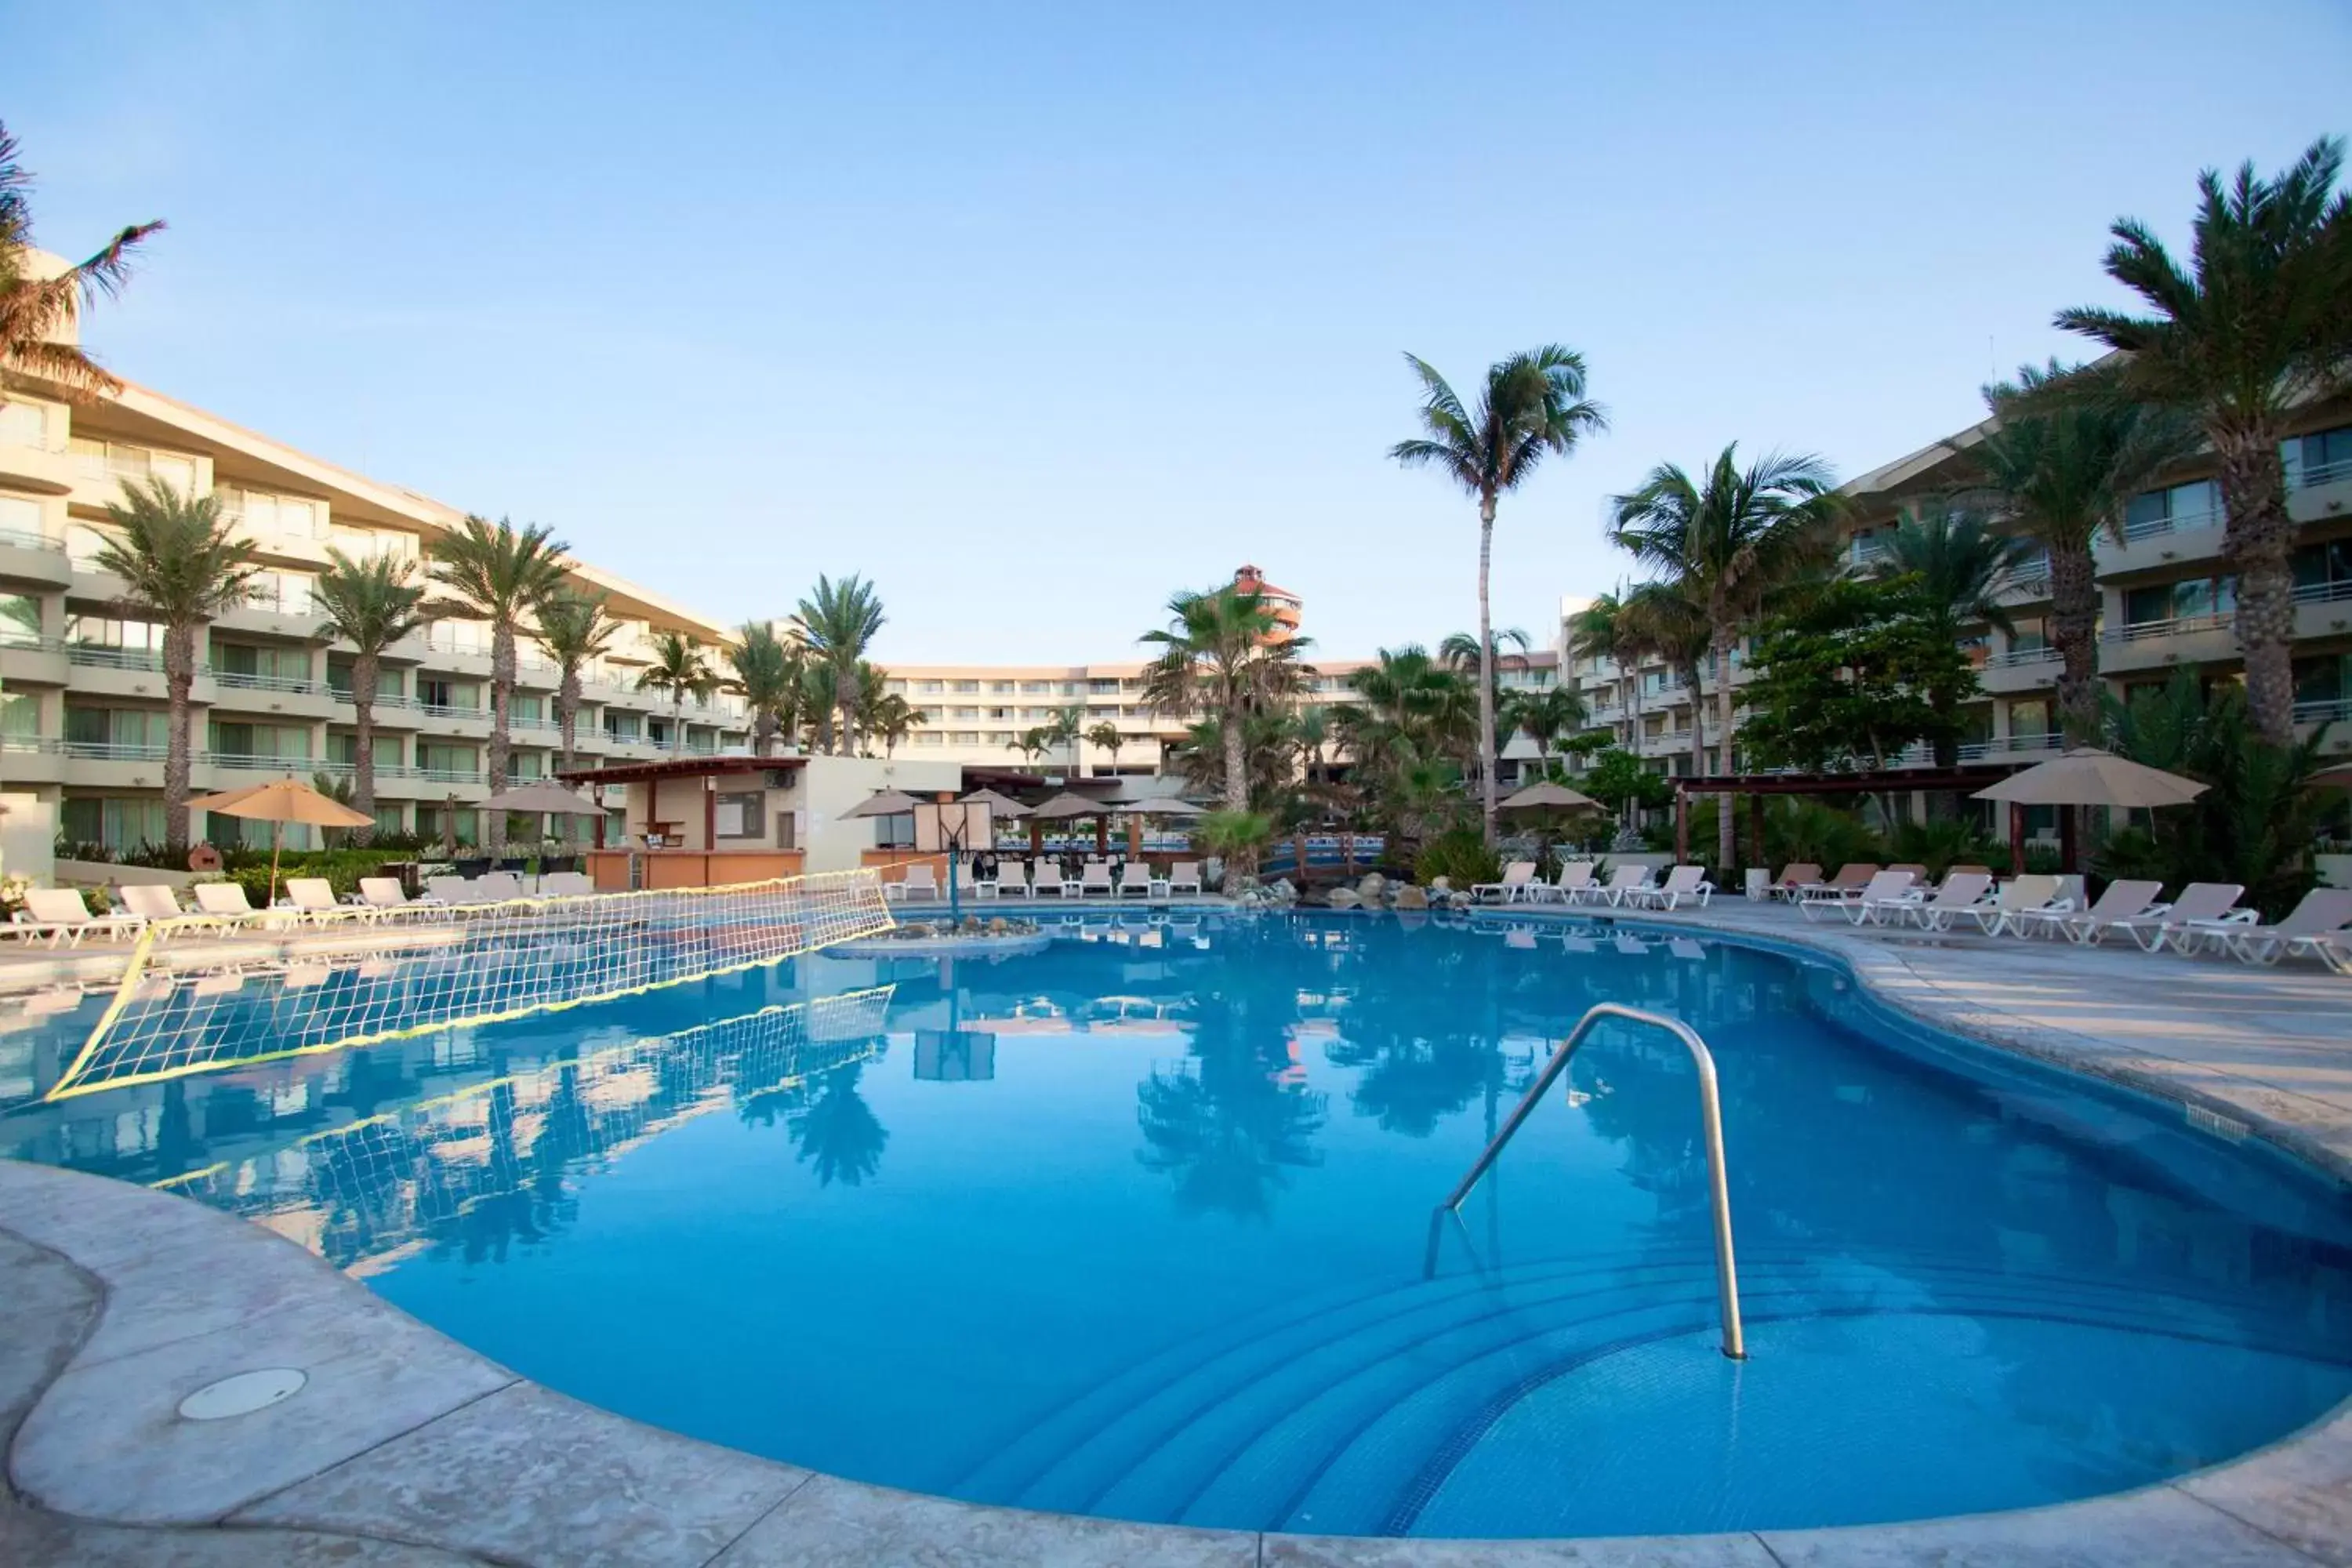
x=122 y=1301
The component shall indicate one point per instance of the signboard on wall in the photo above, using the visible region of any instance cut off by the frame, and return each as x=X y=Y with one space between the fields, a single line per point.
x=937 y=826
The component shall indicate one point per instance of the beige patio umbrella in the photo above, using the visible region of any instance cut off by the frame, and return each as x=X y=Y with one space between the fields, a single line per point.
x=884 y=803
x=547 y=799
x=1164 y=806
x=1547 y=797
x=998 y=805
x=1067 y=807
x=278 y=803
x=2084 y=776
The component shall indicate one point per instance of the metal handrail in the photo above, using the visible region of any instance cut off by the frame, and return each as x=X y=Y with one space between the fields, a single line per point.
x=1710 y=1110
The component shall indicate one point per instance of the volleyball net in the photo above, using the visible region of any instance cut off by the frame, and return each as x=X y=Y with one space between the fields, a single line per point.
x=199 y=994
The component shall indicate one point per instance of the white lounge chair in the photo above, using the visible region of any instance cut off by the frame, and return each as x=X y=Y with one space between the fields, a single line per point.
x=1011 y=881
x=1851 y=877
x=920 y=882
x=61 y=915
x=224 y=900
x=1623 y=883
x=1135 y=880
x=1681 y=882
x=566 y=885
x=2317 y=921
x=2122 y=901
x=1574 y=875
x=1882 y=887
x=499 y=888
x=1184 y=877
x=153 y=900
x=1516 y=878
x=1094 y=876
x=1049 y=880
x=450 y=891
x=1959 y=892
x=1795 y=877
x=2199 y=904
x=385 y=896
x=312 y=898
x=2033 y=895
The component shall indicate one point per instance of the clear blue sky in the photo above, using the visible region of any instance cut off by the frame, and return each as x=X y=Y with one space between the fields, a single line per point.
x=1036 y=313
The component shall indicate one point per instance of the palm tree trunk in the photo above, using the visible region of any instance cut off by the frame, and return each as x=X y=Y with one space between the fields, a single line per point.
x=502 y=680
x=1725 y=638
x=1236 y=763
x=567 y=716
x=1634 y=738
x=364 y=670
x=2074 y=628
x=179 y=683
x=1485 y=670
x=2258 y=541
x=844 y=676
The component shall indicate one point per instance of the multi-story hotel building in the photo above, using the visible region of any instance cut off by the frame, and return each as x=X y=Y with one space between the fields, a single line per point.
x=83 y=724
x=2166 y=599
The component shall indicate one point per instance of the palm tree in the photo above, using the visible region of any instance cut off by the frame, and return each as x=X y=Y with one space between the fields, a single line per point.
x=1068 y=727
x=1956 y=566
x=2061 y=470
x=839 y=622
x=1105 y=736
x=767 y=671
x=501 y=574
x=1670 y=624
x=1222 y=653
x=1546 y=717
x=2254 y=327
x=1601 y=630
x=890 y=719
x=1534 y=403
x=36 y=311
x=1032 y=744
x=178 y=564
x=1728 y=541
x=574 y=627
x=816 y=696
x=370 y=603
x=679 y=670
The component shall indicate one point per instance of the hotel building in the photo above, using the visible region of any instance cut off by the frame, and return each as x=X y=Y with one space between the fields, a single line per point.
x=83 y=724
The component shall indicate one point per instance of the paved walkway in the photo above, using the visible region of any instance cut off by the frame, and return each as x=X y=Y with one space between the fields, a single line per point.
x=404 y=1449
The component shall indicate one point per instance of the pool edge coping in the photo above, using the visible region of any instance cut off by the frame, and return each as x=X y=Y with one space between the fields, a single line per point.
x=2289 y=1502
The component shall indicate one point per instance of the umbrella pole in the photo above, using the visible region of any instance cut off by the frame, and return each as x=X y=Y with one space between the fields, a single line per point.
x=277 y=831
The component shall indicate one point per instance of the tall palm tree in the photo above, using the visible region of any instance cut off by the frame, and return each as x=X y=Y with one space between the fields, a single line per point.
x=1222 y=653
x=1599 y=630
x=839 y=622
x=681 y=669
x=1956 y=563
x=1548 y=717
x=574 y=627
x=2061 y=470
x=502 y=575
x=1533 y=403
x=1727 y=542
x=179 y=564
x=1068 y=727
x=767 y=671
x=34 y=312
x=1105 y=736
x=1032 y=744
x=370 y=603
x=2252 y=328
x=891 y=719
x=1674 y=628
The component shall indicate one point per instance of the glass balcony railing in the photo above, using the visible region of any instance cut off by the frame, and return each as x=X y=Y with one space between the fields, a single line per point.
x=2010 y=659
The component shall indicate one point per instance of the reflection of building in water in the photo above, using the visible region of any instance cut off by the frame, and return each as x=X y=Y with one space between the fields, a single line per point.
x=497 y=1161
x=954 y=1056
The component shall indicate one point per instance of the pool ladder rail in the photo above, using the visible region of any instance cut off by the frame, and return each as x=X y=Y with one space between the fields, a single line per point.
x=1710 y=1110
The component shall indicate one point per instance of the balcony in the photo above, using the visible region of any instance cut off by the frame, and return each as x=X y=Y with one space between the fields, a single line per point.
x=2020 y=669
x=2147 y=645
x=43 y=467
x=34 y=558
x=2002 y=748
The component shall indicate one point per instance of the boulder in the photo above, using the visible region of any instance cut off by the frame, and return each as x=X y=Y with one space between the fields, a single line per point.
x=1373 y=887
x=1411 y=898
x=1346 y=898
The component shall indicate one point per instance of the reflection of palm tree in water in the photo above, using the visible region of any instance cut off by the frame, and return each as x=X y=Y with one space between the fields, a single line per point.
x=1229 y=1123
x=839 y=1134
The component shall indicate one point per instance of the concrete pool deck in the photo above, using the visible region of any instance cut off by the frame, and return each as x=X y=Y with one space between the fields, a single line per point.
x=403 y=1447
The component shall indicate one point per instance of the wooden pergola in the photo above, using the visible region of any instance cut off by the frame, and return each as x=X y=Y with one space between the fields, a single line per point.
x=1873 y=781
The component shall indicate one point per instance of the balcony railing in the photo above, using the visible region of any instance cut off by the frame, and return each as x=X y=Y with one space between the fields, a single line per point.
x=2324 y=593
x=25 y=539
x=2327 y=710
x=102 y=658
x=2179 y=625
x=293 y=685
x=2011 y=746
x=2321 y=474
x=2013 y=658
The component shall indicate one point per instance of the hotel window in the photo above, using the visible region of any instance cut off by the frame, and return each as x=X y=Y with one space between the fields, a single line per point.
x=2326 y=678
x=925 y=737
x=525 y=710
x=102 y=631
x=458 y=637
x=620 y=726
x=21 y=514
x=24 y=425
x=441 y=757
x=964 y=738
x=930 y=688
x=1000 y=686
x=2322 y=572
x=1029 y=686
x=275 y=516
x=1109 y=687
x=20 y=620
x=2030 y=720
x=132 y=727
x=117 y=824
x=2172 y=511
x=361 y=543
x=20 y=716
x=970 y=686
x=105 y=461
x=2031 y=634
x=1000 y=738
x=2319 y=459
x=261 y=664
x=344 y=748
x=232 y=739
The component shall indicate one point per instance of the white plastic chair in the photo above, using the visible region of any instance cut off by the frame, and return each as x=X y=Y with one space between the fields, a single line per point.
x=61 y=915
x=224 y=900
x=450 y=891
x=499 y=888
x=566 y=885
x=2201 y=904
x=1135 y=880
x=920 y=882
x=1011 y=881
x=152 y=900
x=1184 y=877
x=2033 y=895
x=1094 y=876
x=310 y=897
x=1882 y=887
x=1960 y=893
x=1681 y=882
x=1048 y=878
x=1623 y=883
x=2121 y=901
x=2308 y=927
x=1516 y=878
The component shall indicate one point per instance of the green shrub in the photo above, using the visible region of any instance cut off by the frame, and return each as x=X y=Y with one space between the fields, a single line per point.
x=1944 y=843
x=1459 y=855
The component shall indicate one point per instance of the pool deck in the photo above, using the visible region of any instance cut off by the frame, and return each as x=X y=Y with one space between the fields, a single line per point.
x=405 y=1448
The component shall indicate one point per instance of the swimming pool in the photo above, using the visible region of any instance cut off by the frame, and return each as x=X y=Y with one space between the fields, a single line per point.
x=1140 y=1226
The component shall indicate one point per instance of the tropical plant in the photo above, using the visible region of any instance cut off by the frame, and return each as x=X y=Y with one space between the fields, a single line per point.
x=35 y=312
x=179 y=565
x=1235 y=836
x=502 y=575
x=1533 y=403
x=2253 y=327
x=1105 y=736
x=768 y=673
x=1859 y=671
x=1624 y=783
x=1727 y=542
x=1032 y=744
x=838 y=1136
x=2256 y=822
x=370 y=603
x=839 y=621
x=1601 y=631
x=1067 y=729
x=2061 y=470
x=1222 y=653
x=890 y=719
x=1672 y=627
x=681 y=669
x=1954 y=567
x=574 y=627
x=1462 y=855
x=1941 y=844
x=1548 y=717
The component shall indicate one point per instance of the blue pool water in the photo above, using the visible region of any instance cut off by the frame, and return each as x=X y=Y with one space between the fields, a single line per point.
x=1140 y=1226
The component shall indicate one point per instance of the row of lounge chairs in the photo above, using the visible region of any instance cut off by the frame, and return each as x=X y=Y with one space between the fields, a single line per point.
x=2205 y=918
x=1628 y=886
x=1011 y=880
x=60 y=918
